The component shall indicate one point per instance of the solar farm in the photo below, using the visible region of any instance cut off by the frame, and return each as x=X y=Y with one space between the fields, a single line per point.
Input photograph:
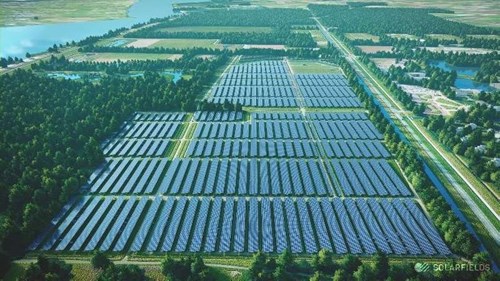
x=302 y=168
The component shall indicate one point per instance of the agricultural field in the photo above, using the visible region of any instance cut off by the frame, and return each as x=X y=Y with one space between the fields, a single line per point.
x=234 y=182
x=182 y=43
x=19 y=12
x=470 y=51
x=375 y=49
x=113 y=57
x=362 y=36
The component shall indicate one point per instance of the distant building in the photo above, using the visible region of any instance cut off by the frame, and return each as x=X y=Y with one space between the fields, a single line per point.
x=480 y=148
x=471 y=125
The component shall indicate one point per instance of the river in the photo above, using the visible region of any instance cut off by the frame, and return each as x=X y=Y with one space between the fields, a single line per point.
x=17 y=40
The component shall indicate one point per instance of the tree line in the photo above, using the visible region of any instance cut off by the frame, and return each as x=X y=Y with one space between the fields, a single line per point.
x=277 y=36
x=450 y=227
x=322 y=266
x=51 y=131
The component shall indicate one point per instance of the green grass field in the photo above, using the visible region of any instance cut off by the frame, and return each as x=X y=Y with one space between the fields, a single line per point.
x=217 y=29
x=108 y=57
x=17 y=12
x=185 y=43
x=308 y=66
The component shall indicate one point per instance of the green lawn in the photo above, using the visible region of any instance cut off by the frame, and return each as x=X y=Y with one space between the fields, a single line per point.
x=108 y=57
x=310 y=66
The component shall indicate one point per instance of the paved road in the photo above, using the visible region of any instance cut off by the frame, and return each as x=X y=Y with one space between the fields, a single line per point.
x=400 y=115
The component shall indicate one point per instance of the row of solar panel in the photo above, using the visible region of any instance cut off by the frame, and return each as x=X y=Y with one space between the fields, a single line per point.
x=327 y=92
x=211 y=176
x=267 y=80
x=151 y=130
x=252 y=92
x=258 y=102
x=285 y=148
x=244 y=225
x=312 y=116
x=137 y=147
x=253 y=130
x=339 y=130
x=129 y=175
x=253 y=148
x=159 y=116
x=332 y=102
x=218 y=116
x=368 y=178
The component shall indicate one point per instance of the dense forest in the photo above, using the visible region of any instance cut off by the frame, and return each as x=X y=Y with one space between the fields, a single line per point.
x=243 y=17
x=392 y=20
x=51 y=135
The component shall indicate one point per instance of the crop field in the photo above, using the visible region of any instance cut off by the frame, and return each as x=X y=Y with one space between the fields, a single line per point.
x=362 y=36
x=375 y=49
x=234 y=182
x=184 y=43
x=112 y=57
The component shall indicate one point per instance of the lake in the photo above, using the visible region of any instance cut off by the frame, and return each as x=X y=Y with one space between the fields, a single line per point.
x=17 y=40
x=465 y=76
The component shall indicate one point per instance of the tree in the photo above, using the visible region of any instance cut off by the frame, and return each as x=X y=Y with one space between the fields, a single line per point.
x=100 y=261
x=258 y=265
x=48 y=269
x=364 y=273
x=129 y=272
x=350 y=264
x=323 y=262
x=340 y=275
x=381 y=266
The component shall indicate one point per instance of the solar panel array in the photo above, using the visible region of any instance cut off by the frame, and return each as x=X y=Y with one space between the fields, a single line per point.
x=234 y=182
x=205 y=224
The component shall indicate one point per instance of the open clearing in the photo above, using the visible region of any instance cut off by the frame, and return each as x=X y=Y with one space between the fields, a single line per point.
x=311 y=66
x=448 y=49
x=319 y=38
x=385 y=63
x=112 y=57
x=18 y=12
x=444 y=37
x=263 y=46
x=217 y=29
x=375 y=49
x=185 y=43
x=403 y=36
x=362 y=36
x=436 y=101
x=142 y=43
